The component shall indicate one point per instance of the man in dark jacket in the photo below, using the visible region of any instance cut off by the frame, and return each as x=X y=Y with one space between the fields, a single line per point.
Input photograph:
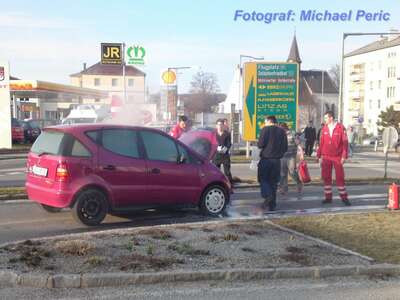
x=310 y=134
x=222 y=157
x=273 y=144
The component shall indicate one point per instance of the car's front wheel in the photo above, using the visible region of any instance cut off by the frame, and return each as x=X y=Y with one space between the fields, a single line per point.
x=91 y=207
x=214 y=200
x=50 y=209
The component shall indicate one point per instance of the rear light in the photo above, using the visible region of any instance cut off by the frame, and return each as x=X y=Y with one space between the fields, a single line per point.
x=62 y=173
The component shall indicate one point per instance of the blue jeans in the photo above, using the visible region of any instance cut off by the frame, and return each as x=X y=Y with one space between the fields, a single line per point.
x=269 y=170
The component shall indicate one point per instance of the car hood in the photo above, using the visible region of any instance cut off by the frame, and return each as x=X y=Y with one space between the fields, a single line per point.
x=202 y=141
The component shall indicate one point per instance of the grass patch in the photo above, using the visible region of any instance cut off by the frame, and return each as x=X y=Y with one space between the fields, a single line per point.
x=95 y=261
x=74 y=247
x=12 y=190
x=373 y=234
x=187 y=249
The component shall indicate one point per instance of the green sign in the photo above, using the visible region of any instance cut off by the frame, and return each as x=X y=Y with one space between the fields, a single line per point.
x=270 y=89
x=135 y=55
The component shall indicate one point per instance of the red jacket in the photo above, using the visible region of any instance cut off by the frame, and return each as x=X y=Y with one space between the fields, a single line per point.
x=176 y=132
x=335 y=146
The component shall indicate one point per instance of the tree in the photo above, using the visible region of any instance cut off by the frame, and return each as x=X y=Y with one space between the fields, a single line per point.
x=390 y=117
x=204 y=83
x=204 y=93
x=334 y=72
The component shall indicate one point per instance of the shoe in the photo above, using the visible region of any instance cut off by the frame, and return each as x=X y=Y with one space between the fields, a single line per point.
x=346 y=202
x=327 y=201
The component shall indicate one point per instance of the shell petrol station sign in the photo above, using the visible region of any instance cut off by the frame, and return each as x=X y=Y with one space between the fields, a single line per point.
x=270 y=88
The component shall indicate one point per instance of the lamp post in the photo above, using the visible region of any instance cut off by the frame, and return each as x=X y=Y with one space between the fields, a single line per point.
x=240 y=96
x=345 y=35
x=176 y=72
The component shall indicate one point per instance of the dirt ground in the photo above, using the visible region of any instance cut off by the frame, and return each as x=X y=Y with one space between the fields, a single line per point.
x=251 y=244
x=373 y=234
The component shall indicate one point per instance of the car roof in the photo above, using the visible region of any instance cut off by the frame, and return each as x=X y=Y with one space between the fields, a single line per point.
x=70 y=128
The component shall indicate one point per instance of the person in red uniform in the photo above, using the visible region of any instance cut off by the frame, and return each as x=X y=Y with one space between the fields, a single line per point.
x=332 y=152
x=179 y=128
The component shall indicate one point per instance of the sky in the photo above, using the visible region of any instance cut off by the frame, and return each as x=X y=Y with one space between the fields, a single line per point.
x=49 y=40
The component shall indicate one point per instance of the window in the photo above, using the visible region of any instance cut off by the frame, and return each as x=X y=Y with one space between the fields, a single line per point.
x=131 y=82
x=97 y=81
x=114 y=81
x=93 y=135
x=380 y=65
x=370 y=104
x=371 y=85
x=121 y=141
x=189 y=158
x=379 y=104
x=79 y=150
x=379 y=84
x=159 y=147
x=48 y=142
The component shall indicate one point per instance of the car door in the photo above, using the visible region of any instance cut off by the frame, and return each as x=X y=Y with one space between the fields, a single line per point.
x=122 y=166
x=170 y=181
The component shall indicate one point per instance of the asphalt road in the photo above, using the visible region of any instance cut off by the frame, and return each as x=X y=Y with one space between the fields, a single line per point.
x=363 y=288
x=25 y=220
x=362 y=165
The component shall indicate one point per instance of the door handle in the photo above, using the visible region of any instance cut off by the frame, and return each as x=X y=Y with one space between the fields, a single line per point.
x=109 y=168
x=155 y=171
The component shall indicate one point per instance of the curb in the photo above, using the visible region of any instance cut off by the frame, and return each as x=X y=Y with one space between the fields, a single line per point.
x=323 y=242
x=349 y=182
x=90 y=280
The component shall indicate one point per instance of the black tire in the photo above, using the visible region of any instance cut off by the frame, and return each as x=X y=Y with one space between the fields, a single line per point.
x=91 y=207
x=214 y=200
x=51 y=209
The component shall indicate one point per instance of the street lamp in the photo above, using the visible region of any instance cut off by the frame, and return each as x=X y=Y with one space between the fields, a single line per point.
x=240 y=96
x=345 y=35
x=176 y=84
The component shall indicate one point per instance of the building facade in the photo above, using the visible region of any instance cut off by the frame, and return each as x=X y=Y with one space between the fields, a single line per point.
x=371 y=83
x=110 y=78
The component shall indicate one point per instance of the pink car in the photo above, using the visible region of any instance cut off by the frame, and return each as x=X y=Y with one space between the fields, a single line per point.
x=95 y=169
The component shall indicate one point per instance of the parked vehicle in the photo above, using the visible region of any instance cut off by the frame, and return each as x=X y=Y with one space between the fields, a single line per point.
x=96 y=169
x=87 y=113
x=31 y=130
x=17 y=131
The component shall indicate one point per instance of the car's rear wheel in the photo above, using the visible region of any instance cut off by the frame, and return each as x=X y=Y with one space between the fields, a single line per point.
x=214 y=200
x=51 y=209
x=90 y=207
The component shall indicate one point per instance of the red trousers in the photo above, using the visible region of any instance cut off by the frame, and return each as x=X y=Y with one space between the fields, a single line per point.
x=326 y=173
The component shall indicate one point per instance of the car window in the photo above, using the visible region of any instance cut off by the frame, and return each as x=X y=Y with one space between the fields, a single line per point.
x=189 y=158
x=79 y=150
x=202 y=146
x=93 y=135
x=159 y=147
x=48 y=142
x=15 y=123
x=121 y=141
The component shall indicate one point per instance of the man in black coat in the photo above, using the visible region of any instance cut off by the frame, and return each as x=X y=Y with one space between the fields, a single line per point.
x=273 y=144
x=223 y=157
x=310 y=134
